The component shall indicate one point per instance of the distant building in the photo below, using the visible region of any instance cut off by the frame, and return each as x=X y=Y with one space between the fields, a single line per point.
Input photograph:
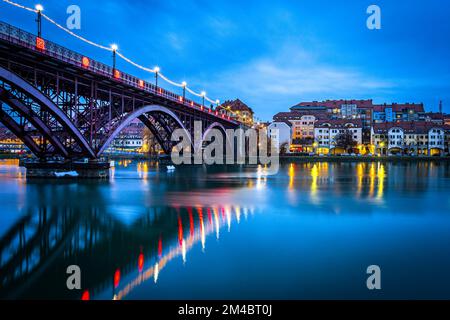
x=9 y=143
x=130 y=138
x=326 y=131
x=238 y=111
x=410 y=138
x=435 y=117
x=280 y=133
x=396 y=112
x=342 y=109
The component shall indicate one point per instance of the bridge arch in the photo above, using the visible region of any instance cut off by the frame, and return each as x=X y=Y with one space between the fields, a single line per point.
x=152 y=111
x=29 y=91
x=214 y=125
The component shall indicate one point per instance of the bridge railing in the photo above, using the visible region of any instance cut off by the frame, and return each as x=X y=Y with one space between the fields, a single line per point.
x=25 y=39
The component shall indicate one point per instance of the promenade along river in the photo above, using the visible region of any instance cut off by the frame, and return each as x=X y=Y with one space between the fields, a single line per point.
x=308 y=232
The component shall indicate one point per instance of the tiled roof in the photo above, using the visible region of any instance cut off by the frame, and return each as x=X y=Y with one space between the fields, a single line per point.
x=435 y=115
x=236 y=105
x=399 y=107
x=336 y=103
x=338 y=123
x=420 y=127
x=296 y=115
x=286 y=122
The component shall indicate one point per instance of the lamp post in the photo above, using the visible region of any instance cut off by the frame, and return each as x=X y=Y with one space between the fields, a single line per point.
x=156 y=69
x=39 y=8
x=203 y=94
x=184 y=84
x=114 y=48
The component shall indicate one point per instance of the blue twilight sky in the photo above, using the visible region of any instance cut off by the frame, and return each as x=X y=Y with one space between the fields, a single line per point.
x=270 y=54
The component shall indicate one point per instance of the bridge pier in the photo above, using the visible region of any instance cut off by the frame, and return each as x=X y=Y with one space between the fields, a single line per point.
x=65 y=170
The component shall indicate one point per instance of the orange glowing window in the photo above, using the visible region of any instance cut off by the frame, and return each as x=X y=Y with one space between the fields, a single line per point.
x=85 y=296
x=116 y=74
x=85 y=61
x=141 y=83
x=160 y=90
x=40 y=43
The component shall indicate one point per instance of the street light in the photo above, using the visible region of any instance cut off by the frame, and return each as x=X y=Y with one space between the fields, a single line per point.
x=114 y=48
x=39 y=8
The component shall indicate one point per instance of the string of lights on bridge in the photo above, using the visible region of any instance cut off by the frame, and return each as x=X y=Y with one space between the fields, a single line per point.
x=115 y=50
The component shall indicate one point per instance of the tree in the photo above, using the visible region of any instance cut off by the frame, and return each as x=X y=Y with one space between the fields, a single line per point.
x=345 y=141
x=150 y=144
x=284 y=148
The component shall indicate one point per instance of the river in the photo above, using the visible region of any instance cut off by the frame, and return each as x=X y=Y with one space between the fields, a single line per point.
x=204 y=232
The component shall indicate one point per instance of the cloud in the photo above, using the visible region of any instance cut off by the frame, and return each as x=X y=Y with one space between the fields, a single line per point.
x=298 y=75
x=292 y=74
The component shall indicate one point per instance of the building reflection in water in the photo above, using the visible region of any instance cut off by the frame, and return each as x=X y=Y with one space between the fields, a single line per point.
x=361 y=180
x=54 y=230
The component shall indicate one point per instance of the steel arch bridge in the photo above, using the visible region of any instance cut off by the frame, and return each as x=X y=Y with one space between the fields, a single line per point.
x=61 y=103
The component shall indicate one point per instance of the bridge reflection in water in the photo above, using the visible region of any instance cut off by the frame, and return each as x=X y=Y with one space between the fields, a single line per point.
x=131 y=232
x=113 y=256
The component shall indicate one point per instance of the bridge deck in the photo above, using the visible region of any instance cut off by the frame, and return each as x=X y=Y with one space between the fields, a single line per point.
x=17 y=41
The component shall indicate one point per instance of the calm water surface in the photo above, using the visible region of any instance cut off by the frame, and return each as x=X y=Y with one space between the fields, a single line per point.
x=310 y=231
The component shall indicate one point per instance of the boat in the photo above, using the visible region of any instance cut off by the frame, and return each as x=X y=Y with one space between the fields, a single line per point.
x=66 y=174
x=170 y=168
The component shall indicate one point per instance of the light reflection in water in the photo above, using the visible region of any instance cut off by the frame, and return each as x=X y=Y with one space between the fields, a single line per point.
x=194 y=209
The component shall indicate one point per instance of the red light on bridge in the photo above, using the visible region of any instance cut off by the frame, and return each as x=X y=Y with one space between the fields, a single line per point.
x=201 y=108
x=116 y=278
x=141 y=83
x=40 y=44
x=209 y=110
x=223 y=116
x=85 y=62
x=141 y=262
x=191 y=222
x=85 y=296
x=217 y=113
x=209 y=216
x=180 y=231
x=192 y=103
x=228 y=117
x=117 y=74
x=160 y=91
x=180 y=98
x=160 y=248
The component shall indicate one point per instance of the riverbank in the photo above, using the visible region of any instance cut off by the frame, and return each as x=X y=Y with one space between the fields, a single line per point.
x=288 y=158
